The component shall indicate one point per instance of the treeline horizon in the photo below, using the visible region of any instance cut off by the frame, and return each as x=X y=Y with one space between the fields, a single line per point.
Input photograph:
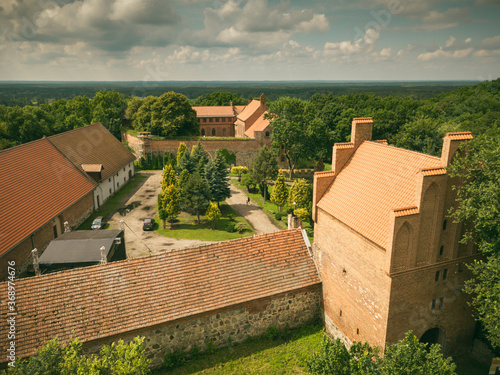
x=44 y=92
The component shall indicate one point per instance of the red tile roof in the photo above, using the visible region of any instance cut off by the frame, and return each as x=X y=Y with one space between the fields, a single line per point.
x=249 y=110
x=459 y=136
x=214 y=111
x=259 y=125
x=93 y=144
x=377 y=179
x=101 y=301
x=37 y=183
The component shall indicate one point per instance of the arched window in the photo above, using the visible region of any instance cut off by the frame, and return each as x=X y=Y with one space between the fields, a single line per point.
x=203 y=132
x=213 y=131
x=224 y=132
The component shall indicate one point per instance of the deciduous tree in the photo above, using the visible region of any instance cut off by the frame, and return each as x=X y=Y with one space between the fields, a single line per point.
x=478 y=202
x=264 y=167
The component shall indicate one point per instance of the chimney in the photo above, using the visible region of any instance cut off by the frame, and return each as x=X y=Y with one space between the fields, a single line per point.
x=36 y=265
x=263 y=101
x=103 y=255
x=361 y=130
x=451 y=143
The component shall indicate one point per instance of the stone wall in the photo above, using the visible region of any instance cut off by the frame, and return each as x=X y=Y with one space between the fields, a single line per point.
x=236 y=322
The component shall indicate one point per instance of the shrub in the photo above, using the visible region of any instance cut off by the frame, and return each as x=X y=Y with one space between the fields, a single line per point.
x=277 y=216
x=210 y=347
x=175 y=359
x=230 y=217
x=231 y=227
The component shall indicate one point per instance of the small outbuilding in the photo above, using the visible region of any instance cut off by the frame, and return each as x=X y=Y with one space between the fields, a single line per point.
x=82 y=248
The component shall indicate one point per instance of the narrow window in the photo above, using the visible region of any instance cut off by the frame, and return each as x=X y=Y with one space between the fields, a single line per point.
x=267 y=134
x=444 y=225
x=433 y=306
x=441 y=300
x=357 y=331
x=203 y=132
x=441 y=249
x=341 y=313
x=436 y=279
x=224 y=132
x=445 y=274
x=213 y=131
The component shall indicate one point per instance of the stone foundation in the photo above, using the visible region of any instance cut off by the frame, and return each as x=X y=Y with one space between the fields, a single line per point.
x=236 y=322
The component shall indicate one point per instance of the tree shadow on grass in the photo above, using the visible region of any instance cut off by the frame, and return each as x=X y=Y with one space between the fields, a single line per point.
x=241 y=351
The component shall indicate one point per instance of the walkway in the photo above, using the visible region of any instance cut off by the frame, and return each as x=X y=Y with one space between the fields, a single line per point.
x=256 y=217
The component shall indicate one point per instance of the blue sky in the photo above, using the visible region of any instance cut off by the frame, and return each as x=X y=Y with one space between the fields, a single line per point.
x=161 y=40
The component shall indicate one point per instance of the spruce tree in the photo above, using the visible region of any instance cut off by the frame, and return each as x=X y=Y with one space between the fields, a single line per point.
x=199 y=158
x=195 y=196
x=279 y=195
x=217 y=178
x=180 y=151
x=186 y=163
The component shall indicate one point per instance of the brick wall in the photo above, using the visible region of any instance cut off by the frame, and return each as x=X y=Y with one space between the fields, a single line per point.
x=249 y=319
x=74 y=215
x=245 y=150
x=355 y=284
x=412 y=308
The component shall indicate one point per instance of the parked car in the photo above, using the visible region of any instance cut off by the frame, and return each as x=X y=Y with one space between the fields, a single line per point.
x=148 y=224
x=97 y=223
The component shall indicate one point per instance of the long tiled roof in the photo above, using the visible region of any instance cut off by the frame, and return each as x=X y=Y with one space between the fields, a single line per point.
x=376 y=180
x=101 y=301
x=259 y=125
x=214 y=111
x=93 y=144
x=37 y=183
x=249 y=110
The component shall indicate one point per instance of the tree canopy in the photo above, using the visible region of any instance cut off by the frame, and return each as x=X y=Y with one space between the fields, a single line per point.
x=264 y=167
x=219 y=98
x=216 y=177
x=168 y=115
x=478 y=202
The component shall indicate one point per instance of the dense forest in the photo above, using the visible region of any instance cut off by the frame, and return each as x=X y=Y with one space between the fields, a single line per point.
x=34 y=93
x=405 y=121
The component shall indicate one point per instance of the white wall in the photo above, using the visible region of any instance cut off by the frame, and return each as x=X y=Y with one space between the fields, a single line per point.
x=112 y=184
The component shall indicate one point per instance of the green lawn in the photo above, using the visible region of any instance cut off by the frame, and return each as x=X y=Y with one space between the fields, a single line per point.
x=114 y=203
x=188 y=228
x=286 y=355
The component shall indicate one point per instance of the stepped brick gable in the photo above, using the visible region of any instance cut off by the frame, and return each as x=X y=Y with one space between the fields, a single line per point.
x=388 y=256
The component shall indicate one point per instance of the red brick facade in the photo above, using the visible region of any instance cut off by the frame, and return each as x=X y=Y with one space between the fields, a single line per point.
x=389 y=269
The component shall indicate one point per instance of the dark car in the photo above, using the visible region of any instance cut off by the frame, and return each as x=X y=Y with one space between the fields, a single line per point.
x=148 y=224
x=97 y=223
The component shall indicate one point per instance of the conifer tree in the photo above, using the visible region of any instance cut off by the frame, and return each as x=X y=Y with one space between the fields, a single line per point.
x=195 y=195
x=186 y=163
x=171 y=202
x=300 y=195
x=217 y=178
x=180 y=151
x=168 y=177
x=279 y=195
x=199 y=158
x=212 y=213
x=183 y=178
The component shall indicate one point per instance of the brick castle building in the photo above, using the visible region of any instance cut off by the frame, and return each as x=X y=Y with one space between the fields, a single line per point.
x=388 y=256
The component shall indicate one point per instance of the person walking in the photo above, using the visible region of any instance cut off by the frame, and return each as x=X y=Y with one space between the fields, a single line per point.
x=248 y=200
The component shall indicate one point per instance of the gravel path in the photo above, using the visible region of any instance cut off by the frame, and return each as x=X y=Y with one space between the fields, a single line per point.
x=137 y=242
x=256 y=217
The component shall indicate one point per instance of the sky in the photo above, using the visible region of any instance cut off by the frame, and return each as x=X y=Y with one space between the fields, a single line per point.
x=249 y=40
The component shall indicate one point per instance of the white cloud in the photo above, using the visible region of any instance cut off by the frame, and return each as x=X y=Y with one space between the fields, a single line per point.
x=450 y=42
x=440 y=53
x=347 y=48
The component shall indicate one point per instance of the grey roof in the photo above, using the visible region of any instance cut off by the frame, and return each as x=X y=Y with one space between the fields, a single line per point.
x=81 y=246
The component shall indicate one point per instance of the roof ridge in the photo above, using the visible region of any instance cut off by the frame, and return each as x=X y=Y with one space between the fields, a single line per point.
x=75 y=129
x=403 y=149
